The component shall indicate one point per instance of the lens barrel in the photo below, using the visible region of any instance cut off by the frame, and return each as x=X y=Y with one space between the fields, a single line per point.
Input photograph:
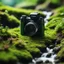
x=30 y=28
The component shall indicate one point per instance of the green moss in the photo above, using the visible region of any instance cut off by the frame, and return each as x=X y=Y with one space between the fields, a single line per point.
x=33 y=50
x=29 y=46
x=32 y=45
x=50 y=33
x=4 y=33
x=59 y=9
x=61 y=54
x=62 y=42
x=58 y=12
x=60 y=26
x=54 y=22
x=15 y=55
x=30 y=42
x=55 y=1
x=21 y=54
x=8 y=20
x=55 y=25
x=18 y=12
x=7 y=56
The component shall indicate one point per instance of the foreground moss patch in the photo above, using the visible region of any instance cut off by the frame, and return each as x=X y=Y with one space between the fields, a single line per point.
x=20 y=47
x=7 y=56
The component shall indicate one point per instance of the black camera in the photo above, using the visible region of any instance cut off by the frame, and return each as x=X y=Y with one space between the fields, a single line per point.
x=32 y=25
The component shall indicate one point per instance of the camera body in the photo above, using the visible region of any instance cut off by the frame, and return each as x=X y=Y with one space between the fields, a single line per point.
x=32 y=25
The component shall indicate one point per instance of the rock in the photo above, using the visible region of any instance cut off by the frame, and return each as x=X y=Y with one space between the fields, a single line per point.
x=8 y=20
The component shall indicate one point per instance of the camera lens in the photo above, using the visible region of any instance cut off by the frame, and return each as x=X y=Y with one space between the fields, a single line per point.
x=30 y=28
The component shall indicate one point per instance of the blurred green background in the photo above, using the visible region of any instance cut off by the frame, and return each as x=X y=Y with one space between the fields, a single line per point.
x=22 y=3
x=34 y=4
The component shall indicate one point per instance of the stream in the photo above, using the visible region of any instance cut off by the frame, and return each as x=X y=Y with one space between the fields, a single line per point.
x=49 y=57
x=48 y=14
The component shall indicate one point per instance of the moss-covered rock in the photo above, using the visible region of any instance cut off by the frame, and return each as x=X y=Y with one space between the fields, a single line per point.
x=54 y=26
x=7 y=57
x=18 y=12
x=49 y=33
x=22 y=55
x=56 y=23
x=4 y=33
x=55 y=30
x=58 y=12
x=8 y=20
x=21 y=48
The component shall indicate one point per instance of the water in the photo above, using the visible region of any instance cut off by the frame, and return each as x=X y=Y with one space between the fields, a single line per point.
x=49 y=57
x=48 y=14
x=46 y=56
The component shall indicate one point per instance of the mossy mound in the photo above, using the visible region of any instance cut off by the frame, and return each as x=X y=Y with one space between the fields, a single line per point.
x=55 y=31
x=18 y=12
x=19 y=48
x=7 y=56
x=59 y=12
x=56 y=22
x=8 y=20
